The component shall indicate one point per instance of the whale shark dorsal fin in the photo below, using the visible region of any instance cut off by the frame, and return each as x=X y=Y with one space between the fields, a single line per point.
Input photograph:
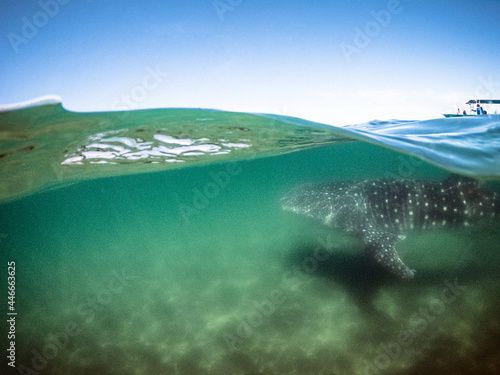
x=381 y=245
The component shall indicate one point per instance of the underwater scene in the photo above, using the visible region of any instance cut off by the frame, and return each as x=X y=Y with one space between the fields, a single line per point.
x=187 y=241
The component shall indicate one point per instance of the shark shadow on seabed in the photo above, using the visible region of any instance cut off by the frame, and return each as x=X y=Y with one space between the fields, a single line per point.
x=362 y=277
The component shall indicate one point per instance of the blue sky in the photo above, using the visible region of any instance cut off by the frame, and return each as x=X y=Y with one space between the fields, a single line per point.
x=334 y=62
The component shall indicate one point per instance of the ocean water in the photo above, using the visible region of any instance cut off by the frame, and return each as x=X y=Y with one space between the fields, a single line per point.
x=153 y=242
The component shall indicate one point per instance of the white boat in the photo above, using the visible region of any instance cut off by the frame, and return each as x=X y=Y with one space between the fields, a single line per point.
x=473 y=105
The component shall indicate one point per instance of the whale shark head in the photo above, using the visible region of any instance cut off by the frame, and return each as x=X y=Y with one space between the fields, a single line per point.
x=329 y=202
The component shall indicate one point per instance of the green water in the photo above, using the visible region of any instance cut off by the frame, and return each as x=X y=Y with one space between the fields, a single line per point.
x=199 y=271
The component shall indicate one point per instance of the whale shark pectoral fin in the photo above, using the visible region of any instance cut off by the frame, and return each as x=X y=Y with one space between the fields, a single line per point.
x=381 y=246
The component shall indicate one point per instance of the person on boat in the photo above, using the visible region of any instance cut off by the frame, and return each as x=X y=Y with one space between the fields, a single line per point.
x=458 y=112
x=464 y=113
x=479 y=110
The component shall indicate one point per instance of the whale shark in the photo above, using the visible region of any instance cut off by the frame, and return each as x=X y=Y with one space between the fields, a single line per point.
x=381 y=212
